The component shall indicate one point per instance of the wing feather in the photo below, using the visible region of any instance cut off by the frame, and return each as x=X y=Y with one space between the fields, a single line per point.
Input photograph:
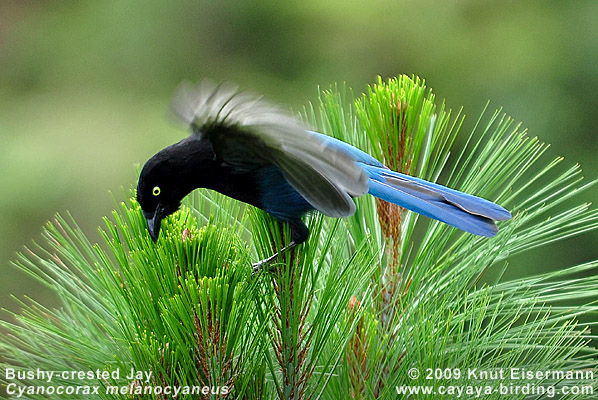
x=246 y=131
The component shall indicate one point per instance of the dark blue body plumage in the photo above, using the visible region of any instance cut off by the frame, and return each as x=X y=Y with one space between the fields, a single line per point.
x=279 y=199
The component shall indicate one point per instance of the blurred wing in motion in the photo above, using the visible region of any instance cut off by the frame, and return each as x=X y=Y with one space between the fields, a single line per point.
x=247 y=132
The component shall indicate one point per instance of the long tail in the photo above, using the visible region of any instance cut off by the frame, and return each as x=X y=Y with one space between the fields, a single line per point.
x=466 y=212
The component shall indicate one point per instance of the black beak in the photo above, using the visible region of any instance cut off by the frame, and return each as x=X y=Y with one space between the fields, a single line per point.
x=154 y=222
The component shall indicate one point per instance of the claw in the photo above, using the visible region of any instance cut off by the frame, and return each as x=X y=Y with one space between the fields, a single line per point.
x=257 y=267
x=266 y=262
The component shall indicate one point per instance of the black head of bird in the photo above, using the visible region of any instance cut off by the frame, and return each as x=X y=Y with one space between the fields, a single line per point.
x=169 y=176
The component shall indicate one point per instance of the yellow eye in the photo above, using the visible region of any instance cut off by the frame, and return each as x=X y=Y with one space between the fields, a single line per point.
x=156 y=191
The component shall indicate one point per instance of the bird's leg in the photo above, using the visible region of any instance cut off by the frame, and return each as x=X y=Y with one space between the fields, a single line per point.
x=257 y=267
x=299 y=234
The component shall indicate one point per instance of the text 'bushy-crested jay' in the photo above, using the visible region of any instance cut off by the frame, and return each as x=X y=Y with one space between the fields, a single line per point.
x=248 y=149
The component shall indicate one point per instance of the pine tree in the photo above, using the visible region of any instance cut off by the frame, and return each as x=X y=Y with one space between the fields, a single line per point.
x=368 y=306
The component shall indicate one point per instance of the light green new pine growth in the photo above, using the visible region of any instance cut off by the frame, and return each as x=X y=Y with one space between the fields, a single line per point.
x=396 y=116
x=177 y=308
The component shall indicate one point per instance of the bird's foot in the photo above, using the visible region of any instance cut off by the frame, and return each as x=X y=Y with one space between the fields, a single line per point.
x=258 y=266
x=266 y=262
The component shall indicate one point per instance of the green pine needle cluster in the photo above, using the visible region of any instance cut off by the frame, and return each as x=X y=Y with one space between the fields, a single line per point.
x=347 y=315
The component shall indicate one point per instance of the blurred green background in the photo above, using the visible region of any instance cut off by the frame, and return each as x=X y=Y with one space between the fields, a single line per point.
x=85 y=86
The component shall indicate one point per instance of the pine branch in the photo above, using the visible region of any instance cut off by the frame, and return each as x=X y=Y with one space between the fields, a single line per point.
x=346 y=314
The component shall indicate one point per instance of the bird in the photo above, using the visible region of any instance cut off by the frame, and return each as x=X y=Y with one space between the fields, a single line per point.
x=252 y=150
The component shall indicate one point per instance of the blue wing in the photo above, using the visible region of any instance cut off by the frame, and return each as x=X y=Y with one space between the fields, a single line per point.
x=469 y=213
x=357 y=155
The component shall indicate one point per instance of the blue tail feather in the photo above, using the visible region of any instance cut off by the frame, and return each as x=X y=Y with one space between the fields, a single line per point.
x=466 y=212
